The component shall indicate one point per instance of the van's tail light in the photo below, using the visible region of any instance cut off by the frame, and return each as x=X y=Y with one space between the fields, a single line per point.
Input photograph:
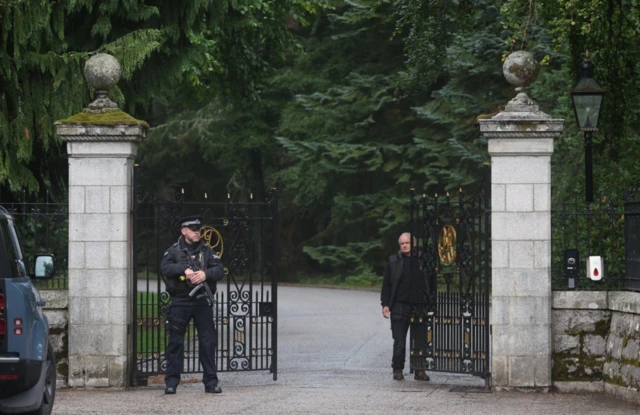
x=18 y=326
x=3 y=302
x=3 y=327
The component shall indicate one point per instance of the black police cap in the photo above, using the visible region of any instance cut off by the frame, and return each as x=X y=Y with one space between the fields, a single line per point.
x=191 y=222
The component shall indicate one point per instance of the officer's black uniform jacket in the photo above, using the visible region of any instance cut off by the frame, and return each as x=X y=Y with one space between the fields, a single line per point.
x=392 y=275
x=176 y=260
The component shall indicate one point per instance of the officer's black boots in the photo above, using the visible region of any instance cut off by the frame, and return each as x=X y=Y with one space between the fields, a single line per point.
x=169 y=390
x=213 y=389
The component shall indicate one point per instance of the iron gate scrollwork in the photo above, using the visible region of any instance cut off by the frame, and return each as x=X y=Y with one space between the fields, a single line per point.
x=449 y=329
x=243 y=234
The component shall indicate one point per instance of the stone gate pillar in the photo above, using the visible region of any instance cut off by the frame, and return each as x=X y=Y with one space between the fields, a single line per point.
x=520 y=140
x=101 y=144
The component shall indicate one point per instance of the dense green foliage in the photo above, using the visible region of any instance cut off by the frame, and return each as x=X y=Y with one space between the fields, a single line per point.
x=168 y=50
x=342 y=110
x=343 y=136
x=609 y=31
x=558 y=33
x=362 y=140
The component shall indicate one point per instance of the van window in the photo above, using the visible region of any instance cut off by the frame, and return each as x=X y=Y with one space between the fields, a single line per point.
x=12 y=248
x=16 y=240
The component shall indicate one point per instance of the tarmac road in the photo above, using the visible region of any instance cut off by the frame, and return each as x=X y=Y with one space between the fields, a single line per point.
x=334 y=358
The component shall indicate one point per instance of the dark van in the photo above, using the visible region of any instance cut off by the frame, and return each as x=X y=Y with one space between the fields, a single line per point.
x=27 y=360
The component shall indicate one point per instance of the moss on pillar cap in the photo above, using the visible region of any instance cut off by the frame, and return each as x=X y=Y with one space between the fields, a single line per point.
x=104 y=118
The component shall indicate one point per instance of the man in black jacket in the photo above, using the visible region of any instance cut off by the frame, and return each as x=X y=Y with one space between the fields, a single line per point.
x=186 y=264
x=396 y=304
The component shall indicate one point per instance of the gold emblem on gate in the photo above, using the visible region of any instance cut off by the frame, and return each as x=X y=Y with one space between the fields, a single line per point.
x=447 y=245
x=213 y=239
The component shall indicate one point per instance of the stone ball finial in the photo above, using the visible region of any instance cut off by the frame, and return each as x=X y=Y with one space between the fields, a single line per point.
x=520 y=69
x=102 y=72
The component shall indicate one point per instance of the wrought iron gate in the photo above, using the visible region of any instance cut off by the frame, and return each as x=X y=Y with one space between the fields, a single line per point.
x=632 y=238
x=245 y=311
x=450 y=299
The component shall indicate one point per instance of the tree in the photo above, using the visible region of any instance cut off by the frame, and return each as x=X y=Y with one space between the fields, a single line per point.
x=359 y=138
x=428 y=28
x=168 y=50
x=609 y=31
x=342 y=137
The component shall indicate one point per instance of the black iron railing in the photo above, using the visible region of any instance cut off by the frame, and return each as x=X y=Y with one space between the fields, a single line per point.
x=632 y=238
x=43 y=227
x=588 y=229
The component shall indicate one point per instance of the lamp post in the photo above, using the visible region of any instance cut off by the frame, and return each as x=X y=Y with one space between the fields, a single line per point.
x=587 y=99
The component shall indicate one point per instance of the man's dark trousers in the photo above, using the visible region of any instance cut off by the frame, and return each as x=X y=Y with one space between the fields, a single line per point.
x=400 y=321
x=180 y=315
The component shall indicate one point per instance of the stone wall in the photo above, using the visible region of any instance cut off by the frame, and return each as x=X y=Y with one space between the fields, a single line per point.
x=57 y=311
x=596 y=338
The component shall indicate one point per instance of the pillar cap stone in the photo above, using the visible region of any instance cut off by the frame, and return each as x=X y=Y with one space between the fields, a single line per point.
x=92 y=132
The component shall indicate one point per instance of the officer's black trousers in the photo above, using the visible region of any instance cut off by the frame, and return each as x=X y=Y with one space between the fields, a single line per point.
x=179 y=317
x=400 y=321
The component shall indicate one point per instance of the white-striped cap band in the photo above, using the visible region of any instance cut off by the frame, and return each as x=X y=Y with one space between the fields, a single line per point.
x=191 y=223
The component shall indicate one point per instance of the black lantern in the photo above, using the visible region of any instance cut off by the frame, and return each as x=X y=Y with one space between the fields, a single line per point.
x=587 y=99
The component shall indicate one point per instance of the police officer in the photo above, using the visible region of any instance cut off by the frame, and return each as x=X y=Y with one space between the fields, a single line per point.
x=186 y=264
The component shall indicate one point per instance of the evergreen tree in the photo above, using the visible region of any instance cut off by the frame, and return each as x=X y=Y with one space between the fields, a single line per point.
x=355 y=138
x=360 y=140
x=609 y=31
x=558 y=33
x=168 y=50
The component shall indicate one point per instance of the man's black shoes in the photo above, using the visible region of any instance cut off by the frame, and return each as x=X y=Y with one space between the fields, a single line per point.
x=213 y=389
x=169 y=390
x=397 y=375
